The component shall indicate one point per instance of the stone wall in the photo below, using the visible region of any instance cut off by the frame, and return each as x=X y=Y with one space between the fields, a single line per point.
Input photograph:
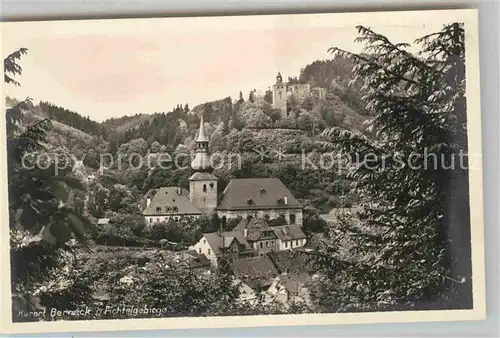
x=299 y=90
x=203 y=195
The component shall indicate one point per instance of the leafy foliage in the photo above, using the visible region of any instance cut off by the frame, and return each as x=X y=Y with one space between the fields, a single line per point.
x=408 y=227
x=40 y=193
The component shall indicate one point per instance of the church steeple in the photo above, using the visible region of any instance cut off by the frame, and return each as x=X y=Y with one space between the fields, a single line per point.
x=202 y=137
x=202 y=161
x=203 y=184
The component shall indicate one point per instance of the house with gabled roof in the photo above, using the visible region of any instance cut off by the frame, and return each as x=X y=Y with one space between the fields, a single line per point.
x=256 y=272
x=169 y=203
x=230 y=245
x=259 y=235
x=251 y=237
x=290 y=236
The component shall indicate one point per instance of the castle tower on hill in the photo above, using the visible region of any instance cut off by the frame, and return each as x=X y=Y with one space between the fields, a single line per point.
x=300 y=91
x=280 y=95
x=203 y=184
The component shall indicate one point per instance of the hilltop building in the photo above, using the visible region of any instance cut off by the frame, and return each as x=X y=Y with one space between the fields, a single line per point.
x=282 y=91
x=265 y=198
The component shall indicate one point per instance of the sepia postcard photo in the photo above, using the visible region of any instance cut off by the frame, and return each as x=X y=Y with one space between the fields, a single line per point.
x=241 y=171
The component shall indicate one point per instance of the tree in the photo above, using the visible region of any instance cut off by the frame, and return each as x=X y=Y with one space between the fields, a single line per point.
x=413 y=230
x=240 y=98
x=40 y=216
x=268 y=96
x=251 y=96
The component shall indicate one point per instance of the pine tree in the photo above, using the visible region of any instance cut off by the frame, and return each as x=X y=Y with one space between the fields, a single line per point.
x=240 y=99
x=411 y=237
x=251 y=96
x=268 y=97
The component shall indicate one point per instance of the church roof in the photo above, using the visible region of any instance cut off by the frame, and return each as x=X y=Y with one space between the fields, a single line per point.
x=257 y=193
x=171 y=201
x=202 y=137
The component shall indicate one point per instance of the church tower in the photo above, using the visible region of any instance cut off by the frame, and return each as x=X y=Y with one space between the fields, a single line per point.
x=203 y=184
x=279 y=95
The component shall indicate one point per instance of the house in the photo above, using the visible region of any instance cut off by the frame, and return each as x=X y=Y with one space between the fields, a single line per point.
x=169 y=203
x=258 y=234
x=290 y=236
x=264 y=238
x=287 y=288
x=256 y=272
x=230 y=244
x=254 y=237
x=266 y=198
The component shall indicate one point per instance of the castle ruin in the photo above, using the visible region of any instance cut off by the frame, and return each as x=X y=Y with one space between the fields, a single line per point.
x=282 y=91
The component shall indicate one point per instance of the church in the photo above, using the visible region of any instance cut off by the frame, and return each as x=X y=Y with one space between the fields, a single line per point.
x=246 y=198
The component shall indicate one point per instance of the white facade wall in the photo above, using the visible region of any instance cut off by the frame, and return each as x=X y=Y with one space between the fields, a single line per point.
x=296 y=243
x=150 y=220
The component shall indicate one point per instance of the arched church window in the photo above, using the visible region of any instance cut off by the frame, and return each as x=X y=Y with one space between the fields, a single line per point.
x=204 y=188
x=211 y=185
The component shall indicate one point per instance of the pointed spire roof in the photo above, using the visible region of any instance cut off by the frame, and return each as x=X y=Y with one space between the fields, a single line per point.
x=202 y=137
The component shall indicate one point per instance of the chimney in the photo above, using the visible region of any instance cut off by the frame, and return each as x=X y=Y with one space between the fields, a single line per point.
x=179 y=191
x=148 y=202
x=245 y=232
x=285 y=199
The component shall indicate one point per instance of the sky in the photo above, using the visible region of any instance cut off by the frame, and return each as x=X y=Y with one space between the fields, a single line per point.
x=110 y=68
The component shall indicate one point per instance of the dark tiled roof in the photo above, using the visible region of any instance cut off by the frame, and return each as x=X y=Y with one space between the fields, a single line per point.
x=292 y=281
x=203 y=176
x=255 y=227
x=255 y=271
x=257 y=193
x=216 y=242
x=292 y=261
x=289 y=232
x=171 y=203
